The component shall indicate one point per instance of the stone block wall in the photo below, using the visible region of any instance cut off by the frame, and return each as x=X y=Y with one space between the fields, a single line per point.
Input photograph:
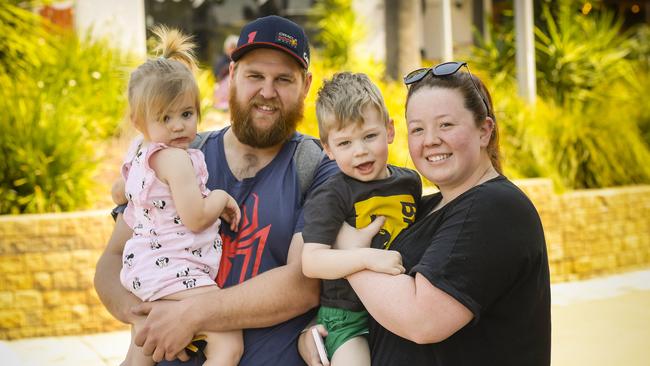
x=47 y=262
x=47 y=265
x=592 y=232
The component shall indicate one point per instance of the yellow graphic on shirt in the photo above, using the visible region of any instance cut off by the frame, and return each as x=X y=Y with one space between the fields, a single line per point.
x=399 y=211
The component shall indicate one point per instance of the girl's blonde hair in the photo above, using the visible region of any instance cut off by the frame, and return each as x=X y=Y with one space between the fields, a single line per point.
x=161 y=82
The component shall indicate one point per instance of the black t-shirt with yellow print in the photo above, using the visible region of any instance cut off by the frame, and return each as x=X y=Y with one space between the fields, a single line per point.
x=343 y=198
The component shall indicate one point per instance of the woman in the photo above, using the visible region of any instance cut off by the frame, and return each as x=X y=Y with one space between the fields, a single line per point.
x=476 y=289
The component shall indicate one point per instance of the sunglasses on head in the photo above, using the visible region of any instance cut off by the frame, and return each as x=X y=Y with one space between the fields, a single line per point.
x=444 y=69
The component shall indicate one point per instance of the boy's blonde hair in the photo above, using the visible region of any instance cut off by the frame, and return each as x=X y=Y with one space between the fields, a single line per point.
x=341 y=101
x=159 y=83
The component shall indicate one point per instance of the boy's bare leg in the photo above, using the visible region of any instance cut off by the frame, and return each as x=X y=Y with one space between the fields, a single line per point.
x=354 y=351
x=135 y=356
x=223 y=348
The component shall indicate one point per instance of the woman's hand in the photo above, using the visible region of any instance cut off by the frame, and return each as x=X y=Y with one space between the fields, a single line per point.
x=307 y=346
x=351 y=238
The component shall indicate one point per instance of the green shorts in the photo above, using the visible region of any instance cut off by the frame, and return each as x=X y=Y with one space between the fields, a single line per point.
x=341 y=326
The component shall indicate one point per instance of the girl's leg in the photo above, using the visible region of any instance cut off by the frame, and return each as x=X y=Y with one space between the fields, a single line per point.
x=135 y=356
x=223 y=348
x=354 y=351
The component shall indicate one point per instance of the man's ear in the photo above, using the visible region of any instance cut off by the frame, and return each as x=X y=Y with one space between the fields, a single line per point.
x=390 y=130
x=486 y=131
x=308 y=79
x=231 y=70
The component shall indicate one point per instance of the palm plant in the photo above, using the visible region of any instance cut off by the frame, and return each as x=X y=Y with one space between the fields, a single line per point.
x=338 y=30
x=578 y=53
x=495 y=53
x=584 y=131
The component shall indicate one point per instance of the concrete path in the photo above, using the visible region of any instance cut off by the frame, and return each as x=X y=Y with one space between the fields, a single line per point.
x=602 y=322
x=599 y=322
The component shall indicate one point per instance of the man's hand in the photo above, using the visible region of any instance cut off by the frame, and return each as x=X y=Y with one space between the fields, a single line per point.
x=307 y=347
x=117 y=192
x=166 y=331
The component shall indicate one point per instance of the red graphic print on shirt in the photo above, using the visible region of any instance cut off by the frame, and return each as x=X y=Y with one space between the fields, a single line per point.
x=249 y=243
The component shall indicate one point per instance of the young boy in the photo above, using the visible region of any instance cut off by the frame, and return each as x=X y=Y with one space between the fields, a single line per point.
x=355 y=131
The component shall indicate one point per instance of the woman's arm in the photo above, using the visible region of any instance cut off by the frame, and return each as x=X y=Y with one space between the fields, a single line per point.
x=174 y=167
x=410 y=307
x=417 y=310
x=321 y=261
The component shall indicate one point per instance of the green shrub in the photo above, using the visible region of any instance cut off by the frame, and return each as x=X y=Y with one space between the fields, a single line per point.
x=91 y=77
x=58 y=100
x=48 y=156
x=24 y=40
x=578 y=54
x=495 y=53
x=639 y=44
x=205 y=80
x=585 y=131
x=338 y=31
x=513 y=117
x=591 y=146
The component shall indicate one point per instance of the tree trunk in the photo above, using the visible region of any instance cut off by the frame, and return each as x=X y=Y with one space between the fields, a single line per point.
x=403 y=28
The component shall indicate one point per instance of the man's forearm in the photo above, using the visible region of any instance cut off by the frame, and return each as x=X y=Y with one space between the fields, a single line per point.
x=272 y=297
x=113 y=295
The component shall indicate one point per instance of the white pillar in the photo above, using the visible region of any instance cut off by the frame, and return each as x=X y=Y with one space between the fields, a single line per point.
x=487 y=17
x=121 y=21
x=446 y=34
x=370 y=13
x=524 y=28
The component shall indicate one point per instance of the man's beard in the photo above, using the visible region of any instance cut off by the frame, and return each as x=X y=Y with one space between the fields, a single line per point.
x=246 y=132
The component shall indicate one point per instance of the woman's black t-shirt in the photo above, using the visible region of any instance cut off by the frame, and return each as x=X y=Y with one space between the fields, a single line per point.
x=486 y=249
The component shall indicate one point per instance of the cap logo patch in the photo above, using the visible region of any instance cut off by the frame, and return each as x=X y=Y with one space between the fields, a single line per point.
x=251 y=36
x=286 y=39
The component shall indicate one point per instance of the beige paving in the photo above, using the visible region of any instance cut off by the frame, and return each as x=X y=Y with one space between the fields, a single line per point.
x=613 y=331
x=106 y=349
x=600 y=322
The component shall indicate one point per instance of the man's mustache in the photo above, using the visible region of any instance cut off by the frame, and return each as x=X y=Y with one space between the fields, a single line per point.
x=271 y=102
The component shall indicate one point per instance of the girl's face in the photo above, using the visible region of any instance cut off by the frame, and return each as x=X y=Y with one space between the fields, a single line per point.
x=177 y=128
x=445 y=144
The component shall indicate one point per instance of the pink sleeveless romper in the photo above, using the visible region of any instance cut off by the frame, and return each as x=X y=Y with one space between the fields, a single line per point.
x=163 y=256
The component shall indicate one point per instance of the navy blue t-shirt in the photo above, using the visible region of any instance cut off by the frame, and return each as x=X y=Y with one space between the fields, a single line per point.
x=271 y=209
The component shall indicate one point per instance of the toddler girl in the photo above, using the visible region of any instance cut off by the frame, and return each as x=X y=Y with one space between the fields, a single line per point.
x=175 y=249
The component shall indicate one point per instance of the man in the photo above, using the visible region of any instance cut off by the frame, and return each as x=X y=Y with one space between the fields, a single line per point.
x=264 y=291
